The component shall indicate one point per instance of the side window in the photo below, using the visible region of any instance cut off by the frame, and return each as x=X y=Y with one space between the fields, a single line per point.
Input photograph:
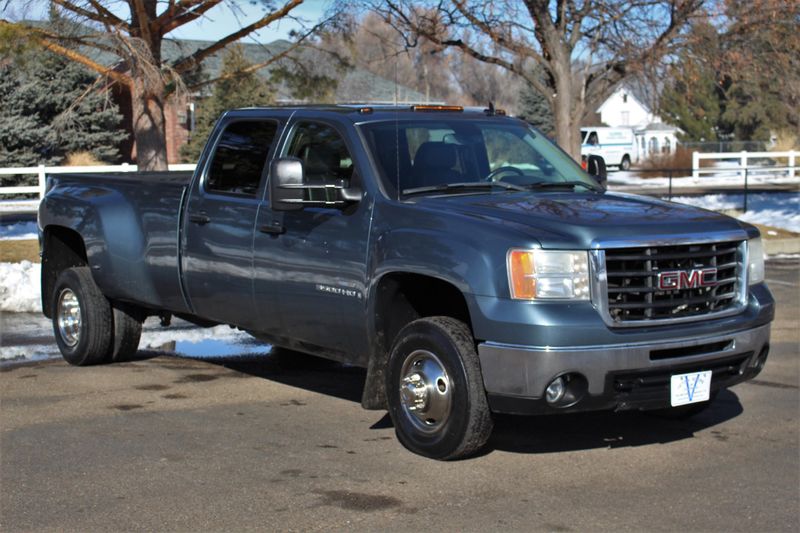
x=240 y=156
x=324 y=154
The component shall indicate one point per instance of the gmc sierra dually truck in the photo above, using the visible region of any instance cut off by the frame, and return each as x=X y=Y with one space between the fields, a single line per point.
x=459 y=256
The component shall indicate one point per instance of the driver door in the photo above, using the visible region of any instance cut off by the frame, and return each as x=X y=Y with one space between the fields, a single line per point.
x=319 y=264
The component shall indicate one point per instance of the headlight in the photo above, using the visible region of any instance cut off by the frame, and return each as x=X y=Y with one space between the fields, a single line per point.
x=548 y=274
x=755 y=257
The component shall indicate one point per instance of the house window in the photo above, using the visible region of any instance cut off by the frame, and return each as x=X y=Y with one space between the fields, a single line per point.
x=624 y=98
x=666 y=147
x=626 y=118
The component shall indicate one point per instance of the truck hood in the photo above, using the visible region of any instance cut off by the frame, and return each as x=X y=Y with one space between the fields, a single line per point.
x=587 y=220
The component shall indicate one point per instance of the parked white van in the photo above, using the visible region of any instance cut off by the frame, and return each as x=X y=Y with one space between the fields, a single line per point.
x=616 y=145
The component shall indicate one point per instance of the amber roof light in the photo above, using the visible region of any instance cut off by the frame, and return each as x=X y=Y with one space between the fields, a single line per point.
x=437 y=108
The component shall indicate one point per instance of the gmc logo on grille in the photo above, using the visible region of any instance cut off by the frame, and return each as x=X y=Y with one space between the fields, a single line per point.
x=687 y=279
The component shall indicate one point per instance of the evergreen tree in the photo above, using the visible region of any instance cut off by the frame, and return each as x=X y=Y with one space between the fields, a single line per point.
x=694 y=98
x=49 y=109
x=237 y=87
x=725 y=83
x=535 y=109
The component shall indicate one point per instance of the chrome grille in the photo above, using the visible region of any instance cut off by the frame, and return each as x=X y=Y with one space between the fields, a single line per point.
x=633 y=295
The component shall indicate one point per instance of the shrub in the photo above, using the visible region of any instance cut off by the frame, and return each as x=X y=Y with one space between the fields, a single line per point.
x=657 y=165
x=81 y=159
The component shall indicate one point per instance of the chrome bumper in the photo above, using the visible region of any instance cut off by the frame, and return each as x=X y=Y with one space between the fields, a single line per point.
x=525 y=371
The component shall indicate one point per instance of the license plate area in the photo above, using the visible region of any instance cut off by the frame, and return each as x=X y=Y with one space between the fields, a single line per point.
x=693 y=387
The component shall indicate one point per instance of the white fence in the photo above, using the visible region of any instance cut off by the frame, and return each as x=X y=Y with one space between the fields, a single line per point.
x=41 y=172
x=742 y=163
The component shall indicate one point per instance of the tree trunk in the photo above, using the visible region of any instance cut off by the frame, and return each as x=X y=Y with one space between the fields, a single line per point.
x=148 y=129
x=566 y=125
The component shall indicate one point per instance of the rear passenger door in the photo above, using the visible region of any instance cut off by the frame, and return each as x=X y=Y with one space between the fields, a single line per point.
x=220 y=219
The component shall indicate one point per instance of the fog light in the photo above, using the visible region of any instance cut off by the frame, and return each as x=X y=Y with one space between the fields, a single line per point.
x=555 y=391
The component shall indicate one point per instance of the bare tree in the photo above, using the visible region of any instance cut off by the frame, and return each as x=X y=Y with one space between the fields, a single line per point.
x=584 y=48
x=134 y=41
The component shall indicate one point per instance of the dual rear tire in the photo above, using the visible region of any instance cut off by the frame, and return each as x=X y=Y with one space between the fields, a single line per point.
x=89 y=329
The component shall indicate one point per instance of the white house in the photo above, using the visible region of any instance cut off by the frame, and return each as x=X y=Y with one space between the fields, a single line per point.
x=624 y=110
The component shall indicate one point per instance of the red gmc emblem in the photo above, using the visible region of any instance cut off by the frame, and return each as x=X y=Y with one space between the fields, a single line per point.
x=671 y=280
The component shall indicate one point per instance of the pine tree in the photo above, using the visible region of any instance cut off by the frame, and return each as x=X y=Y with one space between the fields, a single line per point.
x=236 y=88
x=535 y=109
x=694 y=97
x=50 y=110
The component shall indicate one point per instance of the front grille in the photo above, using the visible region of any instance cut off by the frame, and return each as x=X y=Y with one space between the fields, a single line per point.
x=634 y=294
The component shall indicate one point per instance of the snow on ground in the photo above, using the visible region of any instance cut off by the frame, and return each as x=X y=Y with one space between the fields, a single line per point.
x=627 y=179
x=20 y=287
x=19 y=231
x=780 y=210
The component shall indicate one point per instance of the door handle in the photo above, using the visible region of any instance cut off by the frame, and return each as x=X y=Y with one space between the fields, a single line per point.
x=199 y=219
x=276 y=228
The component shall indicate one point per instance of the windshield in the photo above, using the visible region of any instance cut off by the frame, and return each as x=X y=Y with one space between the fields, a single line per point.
x=430 y=155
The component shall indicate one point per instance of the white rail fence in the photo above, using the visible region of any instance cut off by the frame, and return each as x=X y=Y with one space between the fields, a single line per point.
x=740 y=164
x=42 y=171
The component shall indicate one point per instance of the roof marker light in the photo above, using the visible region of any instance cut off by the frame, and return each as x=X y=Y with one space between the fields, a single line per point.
x=437 y=108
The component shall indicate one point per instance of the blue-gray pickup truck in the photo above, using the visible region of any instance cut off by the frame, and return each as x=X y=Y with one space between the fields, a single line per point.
x=458 y=255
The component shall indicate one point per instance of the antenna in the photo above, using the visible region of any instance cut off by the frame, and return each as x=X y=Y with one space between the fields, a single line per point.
x=396 y=132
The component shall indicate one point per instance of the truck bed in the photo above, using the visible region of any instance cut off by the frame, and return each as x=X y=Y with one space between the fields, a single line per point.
x=130 y=223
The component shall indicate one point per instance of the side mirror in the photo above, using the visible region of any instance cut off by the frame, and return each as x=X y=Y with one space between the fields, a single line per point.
x=285 y=184
x=290 y=190
x=596 y=167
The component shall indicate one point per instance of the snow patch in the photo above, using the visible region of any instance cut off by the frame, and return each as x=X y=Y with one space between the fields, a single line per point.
x=779 y=210
x=627 y=179
x=20 y=289
x=157 y=339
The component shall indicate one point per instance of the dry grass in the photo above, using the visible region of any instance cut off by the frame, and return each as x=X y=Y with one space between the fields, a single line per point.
x=16 y=251
x=786 y=141
x=653 y=166
x=82 y=159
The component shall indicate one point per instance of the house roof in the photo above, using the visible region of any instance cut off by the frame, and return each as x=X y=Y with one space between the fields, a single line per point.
x=355 y=84
x=630 y=92
x=658 y=126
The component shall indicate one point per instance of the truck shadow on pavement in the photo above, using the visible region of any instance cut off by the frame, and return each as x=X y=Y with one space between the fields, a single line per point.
x=516 y=434
x=606 y=429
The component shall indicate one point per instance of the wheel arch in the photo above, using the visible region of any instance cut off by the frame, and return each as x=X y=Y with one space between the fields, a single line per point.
x=398 y=298
x=62 y=248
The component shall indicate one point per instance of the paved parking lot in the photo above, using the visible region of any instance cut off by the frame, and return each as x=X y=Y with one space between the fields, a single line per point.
x=281 y=443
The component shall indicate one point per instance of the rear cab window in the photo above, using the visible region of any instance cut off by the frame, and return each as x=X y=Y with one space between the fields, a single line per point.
x=240 y=157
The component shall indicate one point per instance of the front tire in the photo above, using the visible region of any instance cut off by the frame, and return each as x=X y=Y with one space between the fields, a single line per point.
x=435 y=390
x=82 y=319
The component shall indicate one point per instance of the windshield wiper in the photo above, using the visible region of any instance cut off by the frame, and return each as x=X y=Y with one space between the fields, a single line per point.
x=559 y=184
x=460 y=186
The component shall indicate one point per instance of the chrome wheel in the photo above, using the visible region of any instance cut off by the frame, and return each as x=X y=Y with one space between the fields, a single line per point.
x=68 y=315
x=426 y=391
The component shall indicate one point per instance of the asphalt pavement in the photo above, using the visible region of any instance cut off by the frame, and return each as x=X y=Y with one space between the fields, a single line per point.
x=280 y=442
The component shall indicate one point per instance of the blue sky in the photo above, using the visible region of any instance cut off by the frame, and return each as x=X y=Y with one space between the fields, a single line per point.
x=217 y=23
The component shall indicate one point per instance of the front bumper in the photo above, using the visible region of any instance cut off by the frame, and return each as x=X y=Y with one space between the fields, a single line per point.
x=616 y=376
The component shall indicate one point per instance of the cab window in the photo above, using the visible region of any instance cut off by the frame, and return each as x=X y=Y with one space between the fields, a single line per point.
x=324 y=153
x=240 y=156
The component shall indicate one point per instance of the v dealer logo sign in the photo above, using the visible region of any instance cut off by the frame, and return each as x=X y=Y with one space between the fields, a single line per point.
x=687 y=279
